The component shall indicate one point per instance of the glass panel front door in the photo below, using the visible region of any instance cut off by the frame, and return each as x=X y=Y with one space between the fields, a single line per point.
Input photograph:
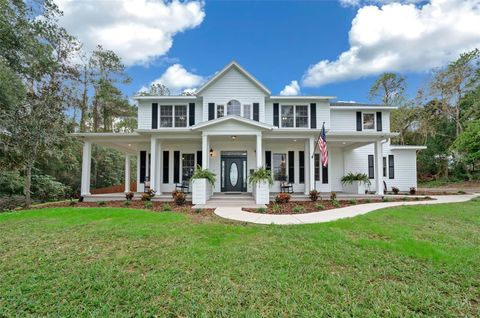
x=233 y=178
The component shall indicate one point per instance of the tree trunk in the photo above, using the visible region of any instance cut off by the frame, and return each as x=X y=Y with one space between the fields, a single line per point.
x=27 y=186
x=84 y=106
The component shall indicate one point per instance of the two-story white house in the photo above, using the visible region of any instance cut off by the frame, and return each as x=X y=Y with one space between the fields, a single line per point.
x=233 y=125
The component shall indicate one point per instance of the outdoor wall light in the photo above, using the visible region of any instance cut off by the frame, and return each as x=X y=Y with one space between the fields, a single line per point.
x=211 y=152
x=234 y=137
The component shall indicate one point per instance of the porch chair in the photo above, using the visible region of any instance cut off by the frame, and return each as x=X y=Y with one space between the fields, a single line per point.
x=146 y=185
x=184 y=186
x=286 y=187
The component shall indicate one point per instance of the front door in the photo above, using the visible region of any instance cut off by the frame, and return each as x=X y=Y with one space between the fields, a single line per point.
x=234 y=173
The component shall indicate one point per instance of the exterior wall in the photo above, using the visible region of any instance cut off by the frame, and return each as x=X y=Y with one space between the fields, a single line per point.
x=144 y=115
x=346 y=120
x=233 y=85
x=337 y=168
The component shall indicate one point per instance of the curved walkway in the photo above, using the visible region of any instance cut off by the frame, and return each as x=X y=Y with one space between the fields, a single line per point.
x=236 y=213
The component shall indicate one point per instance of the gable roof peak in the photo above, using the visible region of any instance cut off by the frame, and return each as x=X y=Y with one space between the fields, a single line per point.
x=233 y=64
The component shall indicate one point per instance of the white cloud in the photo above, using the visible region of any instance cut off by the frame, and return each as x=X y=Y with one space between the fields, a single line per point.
x=178 y=79
x=137 y=30
x=402 y=37
x=356 y=3
x=291 y=89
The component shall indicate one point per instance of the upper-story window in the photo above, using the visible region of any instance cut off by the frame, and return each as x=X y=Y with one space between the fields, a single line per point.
x=167 y=118
x=234 y=108
x=247 y=111
x=368 y=121
x=220 y=111
x=294 y=116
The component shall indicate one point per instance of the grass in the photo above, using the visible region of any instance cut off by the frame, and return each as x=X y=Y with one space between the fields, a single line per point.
x=76 y=262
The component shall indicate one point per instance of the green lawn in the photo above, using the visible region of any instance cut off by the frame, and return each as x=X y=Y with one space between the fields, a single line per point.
x=408 y=261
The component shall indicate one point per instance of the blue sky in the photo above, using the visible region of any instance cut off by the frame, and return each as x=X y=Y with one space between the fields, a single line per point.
x=329 y=47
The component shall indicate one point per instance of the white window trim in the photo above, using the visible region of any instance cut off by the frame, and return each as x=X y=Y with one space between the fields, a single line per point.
x=374 y=121
x=294 y=116
x=159 y=116
x=243 y=110
x=216 y=110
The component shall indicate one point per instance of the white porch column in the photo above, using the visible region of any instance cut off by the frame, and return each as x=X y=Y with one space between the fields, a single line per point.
x=308 y=158
x=259 y=150
x=379 y=167
x=311 y=166
x=158 y=168
x=205 y=152
x=86 y=165
x=127 y=173
x=153 y=165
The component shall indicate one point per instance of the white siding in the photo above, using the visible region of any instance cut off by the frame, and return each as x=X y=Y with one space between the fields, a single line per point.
x=233 y=85
x=144 y=115
x=346 y=120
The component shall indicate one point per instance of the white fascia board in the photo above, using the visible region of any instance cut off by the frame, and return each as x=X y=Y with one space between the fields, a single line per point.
x=407 y=147
x=298 y=97
x=363 y=107
x=165 y=97
x=231 y=117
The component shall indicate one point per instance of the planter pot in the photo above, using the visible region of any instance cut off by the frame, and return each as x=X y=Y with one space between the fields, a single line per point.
x=200 y=191
x=262 y=193
x=356 y=187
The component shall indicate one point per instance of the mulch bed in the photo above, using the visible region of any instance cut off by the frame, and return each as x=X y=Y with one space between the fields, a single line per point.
x=186 y=208
x=309 y=206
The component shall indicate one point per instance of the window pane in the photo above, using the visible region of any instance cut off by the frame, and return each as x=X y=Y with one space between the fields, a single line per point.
x=301 y=113
x=368 y=121
x=287 y=116
x=234 y=108
x=220 y=111
x=166 y=116
x=247 y=111
x=280 y=166
x=188 y=166
x=180 y=116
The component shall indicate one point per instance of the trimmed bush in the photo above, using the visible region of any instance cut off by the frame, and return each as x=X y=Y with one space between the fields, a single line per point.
x=261 y=210
x=166 y=207
x=336 y=204
x=395 y=190
x=314 y=194
x=413 y=190
x=320 y=207
x=283 y=198
x=298 y=209
x=333 y=196
x=179 y=197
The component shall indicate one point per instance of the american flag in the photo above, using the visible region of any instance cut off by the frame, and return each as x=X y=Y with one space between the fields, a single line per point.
x=322 y=144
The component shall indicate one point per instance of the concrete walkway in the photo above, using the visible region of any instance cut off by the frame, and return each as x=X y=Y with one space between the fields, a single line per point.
x=236 y=213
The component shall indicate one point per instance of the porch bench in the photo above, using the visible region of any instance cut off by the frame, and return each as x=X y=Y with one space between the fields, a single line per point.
x=286 y=188
x=182 y=187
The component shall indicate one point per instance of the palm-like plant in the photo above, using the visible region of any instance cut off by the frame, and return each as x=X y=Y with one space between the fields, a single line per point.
x=261 y=175
x=204 y=174
x=351 y=177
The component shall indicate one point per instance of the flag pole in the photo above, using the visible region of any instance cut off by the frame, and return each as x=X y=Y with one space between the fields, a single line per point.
x=313 y=156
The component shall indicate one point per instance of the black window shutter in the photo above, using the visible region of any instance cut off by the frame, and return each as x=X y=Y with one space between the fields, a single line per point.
x=143 y=166
x=166 y=164
x=199 y=158
x=317 y=166
x=384 y=166
x=154 y=115
x=379 y=121
x=313 y=115
x=359 y=121
x=211 y=111
x=301 y=166
x=191 y=114
x=276 y=110
x=268 y=160
x=176 y=166
x=149 y=166
x=291 y=166
x=391 y=167
x=256 y=111
x=324 y=175
x=371 y=167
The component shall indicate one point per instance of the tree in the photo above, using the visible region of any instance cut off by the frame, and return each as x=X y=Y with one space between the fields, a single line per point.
x=33 y=125
x=156 y=89
x=468 y=144
x=389 y=87
x=450 y=84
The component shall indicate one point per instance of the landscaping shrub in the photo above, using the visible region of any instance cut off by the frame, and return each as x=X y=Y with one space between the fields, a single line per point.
x=298 y=209
x=333 y=196
x=11 y=183
x=46 y=188
x=395 y=190
x=404 y=198
x=335 y=203
x=184 y=210
x=198 y=210
x=282 y=198
x=413 y=190
x=101 y=203
x=129 y=196
x=261 y=210
x=461 y=192
x=353 y=201
x=179 y=197
x=314 y=194
x=126 y=203
x=386 y=199
x=147 y=196
x=368 y=200
x=72 y=202
x=166 y=207
x=11 y=202
x=276 y=208
x=320 y=207
x=148 y=204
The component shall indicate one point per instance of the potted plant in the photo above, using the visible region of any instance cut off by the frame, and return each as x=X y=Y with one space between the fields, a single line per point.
x=355 y=182
x=202 y=181
x=261 y=179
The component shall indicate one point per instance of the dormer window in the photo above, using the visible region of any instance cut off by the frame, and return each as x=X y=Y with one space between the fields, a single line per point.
x=234 y=108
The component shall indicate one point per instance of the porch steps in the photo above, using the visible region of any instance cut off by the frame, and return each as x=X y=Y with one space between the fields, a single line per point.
x=244 y=200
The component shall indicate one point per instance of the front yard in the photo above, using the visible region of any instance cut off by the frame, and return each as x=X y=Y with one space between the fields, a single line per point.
x=405 y=261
